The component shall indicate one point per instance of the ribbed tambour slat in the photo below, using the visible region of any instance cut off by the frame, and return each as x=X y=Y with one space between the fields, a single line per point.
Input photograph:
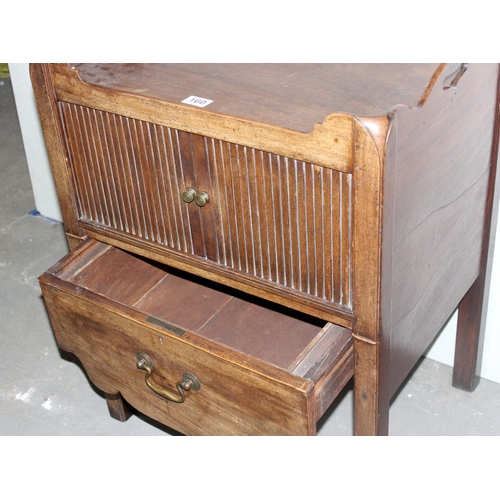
x=283 y=220
x=275 y=218
x=126 y=174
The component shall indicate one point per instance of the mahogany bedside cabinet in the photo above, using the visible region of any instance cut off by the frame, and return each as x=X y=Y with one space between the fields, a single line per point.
x=245 y=238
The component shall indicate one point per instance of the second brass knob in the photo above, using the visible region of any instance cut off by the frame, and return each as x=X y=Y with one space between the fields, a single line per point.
x=201 y=199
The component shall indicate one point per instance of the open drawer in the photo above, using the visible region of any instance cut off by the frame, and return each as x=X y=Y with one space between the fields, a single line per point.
x=197 y=357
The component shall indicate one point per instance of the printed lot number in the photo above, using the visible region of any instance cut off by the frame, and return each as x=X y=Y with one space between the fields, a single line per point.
x=201 y=102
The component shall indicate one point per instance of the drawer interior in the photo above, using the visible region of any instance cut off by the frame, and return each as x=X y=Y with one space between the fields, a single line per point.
x=184 y=303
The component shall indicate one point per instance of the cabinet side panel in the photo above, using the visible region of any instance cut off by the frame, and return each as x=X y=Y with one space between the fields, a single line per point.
x=441 y=179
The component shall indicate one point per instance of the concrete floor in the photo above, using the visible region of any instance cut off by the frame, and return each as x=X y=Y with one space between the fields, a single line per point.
x=43 y=394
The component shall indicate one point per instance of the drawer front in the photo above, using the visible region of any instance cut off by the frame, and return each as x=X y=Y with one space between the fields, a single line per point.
x=269 y=217
x=236 y=396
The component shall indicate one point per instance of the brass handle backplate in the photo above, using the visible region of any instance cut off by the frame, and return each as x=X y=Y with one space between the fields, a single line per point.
x=188 y=382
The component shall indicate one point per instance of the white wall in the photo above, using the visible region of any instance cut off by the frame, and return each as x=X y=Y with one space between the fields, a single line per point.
x=44 y=190
x=46 y=202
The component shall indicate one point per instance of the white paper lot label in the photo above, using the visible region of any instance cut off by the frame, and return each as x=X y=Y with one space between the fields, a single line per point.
x=200 y=102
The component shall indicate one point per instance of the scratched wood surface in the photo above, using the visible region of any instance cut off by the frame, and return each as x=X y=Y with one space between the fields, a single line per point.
x=277 y=94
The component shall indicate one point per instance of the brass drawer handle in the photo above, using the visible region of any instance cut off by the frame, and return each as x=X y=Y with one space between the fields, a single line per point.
x=201 y=199
x=188 y=381
x=188 y=195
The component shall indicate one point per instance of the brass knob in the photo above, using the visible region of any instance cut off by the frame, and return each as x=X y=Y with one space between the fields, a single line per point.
x=189 y=195
x=201 y=199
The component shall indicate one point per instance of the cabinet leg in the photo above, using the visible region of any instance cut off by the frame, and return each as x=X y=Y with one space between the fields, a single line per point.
x=472 y=308
x=117 y=407
x=470 y=338
x=371 y=391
